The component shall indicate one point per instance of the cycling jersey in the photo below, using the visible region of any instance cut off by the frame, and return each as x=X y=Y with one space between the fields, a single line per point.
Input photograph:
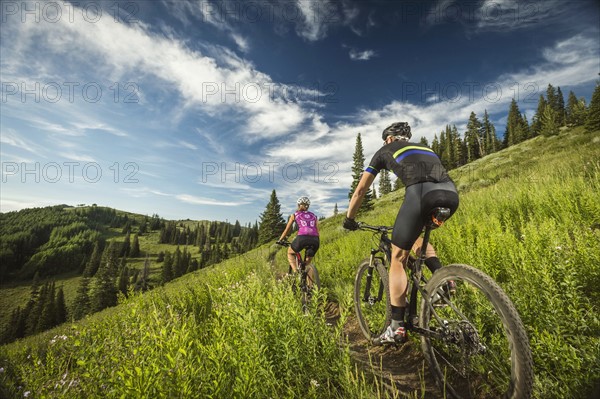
x=307 y=223
x=411 y=162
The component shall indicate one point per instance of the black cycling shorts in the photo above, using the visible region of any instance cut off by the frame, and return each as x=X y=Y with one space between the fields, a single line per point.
x=310 y=243
x=420 y=199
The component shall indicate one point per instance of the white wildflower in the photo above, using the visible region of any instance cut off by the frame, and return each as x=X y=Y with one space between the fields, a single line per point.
x=26 y=394
x=314 y=383
x=1 y=370
x=558 y=248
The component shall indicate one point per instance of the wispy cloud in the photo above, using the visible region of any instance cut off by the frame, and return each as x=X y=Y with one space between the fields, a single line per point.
x=218 y=14
x=494 y=15
x=321 y=16
x=191 y=199
x=12 y=138
x=216 y=83
x=365 y=55
x=77 y=157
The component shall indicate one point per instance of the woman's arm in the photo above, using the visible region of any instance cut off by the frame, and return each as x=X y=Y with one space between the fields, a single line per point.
x=288 y=228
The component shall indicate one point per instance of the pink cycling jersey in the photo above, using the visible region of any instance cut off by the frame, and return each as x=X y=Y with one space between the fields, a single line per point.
x=307 y=223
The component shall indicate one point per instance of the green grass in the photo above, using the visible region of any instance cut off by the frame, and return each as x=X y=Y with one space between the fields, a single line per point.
x=529 y=217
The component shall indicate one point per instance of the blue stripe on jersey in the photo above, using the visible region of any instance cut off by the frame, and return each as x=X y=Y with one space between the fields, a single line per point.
x=371 y=170
x=414 y=152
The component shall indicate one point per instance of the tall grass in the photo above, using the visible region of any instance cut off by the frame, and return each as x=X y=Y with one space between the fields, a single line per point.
x=529 y=216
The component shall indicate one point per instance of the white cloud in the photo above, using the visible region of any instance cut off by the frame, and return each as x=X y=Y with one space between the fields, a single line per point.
x=12 y=138
x=77 y=157
x=335 y=142
x=320 y=16
x=495 y=15
x=216 y=84
x=365 y=55
x=191 y=199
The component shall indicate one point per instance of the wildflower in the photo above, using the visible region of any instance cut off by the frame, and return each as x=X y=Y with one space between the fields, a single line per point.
x=26 y=394
x=558 y=248
x=314 y=383
x=1 y=370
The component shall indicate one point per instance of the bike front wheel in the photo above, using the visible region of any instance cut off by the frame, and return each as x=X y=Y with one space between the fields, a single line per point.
x=478 y=347
x=372 y=298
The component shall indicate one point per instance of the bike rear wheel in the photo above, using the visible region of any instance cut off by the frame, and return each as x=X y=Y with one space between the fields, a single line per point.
x=372 y=298
x=313 y=283
x=482 y=350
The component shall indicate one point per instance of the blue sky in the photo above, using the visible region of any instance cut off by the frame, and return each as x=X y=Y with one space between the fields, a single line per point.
x=200 y=109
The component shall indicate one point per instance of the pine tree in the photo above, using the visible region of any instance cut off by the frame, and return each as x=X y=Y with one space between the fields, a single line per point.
x=135 y=249
x=124 y=280
x=335 y=210
x=435 y=145
x=60 y=307
x=516 y=127
x=592 y=122
x=397 y=183
x=237 y=229
x=126 y=247
x=552 y=97
x=453 y=147
x=536 y=124
x=47 y=318
x=549 y=122
x=444 y=153
x=167 y=268
x=104 y=292
x=82 y=304
x=576 y=110
x=358 y=167
x=424 y=141
x=560 y=107
x=385 y=184
x=459 y=148
x=490 y=141
x=94 y=262
x=143 y=280
x=374 y=192
x=271 y=221
x=473 y=139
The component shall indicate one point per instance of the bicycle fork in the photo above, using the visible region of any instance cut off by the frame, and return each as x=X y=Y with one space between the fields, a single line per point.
x=366 y=296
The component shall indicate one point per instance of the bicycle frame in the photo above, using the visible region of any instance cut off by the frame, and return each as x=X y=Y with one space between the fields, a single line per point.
x=414 y=272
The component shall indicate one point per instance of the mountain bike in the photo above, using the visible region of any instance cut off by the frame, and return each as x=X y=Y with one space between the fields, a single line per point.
x=306 y=279
x=473 y=339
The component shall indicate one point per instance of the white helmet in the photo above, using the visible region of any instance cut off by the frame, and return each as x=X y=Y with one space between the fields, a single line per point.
x=303 y=201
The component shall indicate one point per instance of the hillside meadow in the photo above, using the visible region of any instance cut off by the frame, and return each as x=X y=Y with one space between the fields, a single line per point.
x=529 y=217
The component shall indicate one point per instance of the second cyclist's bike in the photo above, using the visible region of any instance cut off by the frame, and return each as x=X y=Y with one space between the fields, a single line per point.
x=472 y=337
x=306 y=279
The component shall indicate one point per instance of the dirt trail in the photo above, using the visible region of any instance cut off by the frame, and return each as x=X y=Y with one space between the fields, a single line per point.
x=401 y=369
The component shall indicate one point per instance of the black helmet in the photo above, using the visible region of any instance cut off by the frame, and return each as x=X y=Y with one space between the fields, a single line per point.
x=397 y=129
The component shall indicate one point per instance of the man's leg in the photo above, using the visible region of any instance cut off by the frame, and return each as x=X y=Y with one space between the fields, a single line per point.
x=431 y=259
x=398 y=285
x=398 y=281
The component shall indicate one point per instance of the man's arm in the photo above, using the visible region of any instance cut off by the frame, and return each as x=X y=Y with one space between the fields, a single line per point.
x=359 y=194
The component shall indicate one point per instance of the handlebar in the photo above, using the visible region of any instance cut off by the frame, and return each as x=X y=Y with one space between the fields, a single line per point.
x=378 y=229
x=283 y=243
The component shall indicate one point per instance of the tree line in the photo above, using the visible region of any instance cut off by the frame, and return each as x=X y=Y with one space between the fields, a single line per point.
x=60 y=238
x=481 y=139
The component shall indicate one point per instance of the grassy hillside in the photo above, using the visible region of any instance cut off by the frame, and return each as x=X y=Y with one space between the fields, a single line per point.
x=529 y=216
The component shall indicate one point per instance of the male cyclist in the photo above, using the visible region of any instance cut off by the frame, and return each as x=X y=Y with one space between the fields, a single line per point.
x=308 y=232
x=427 y=186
